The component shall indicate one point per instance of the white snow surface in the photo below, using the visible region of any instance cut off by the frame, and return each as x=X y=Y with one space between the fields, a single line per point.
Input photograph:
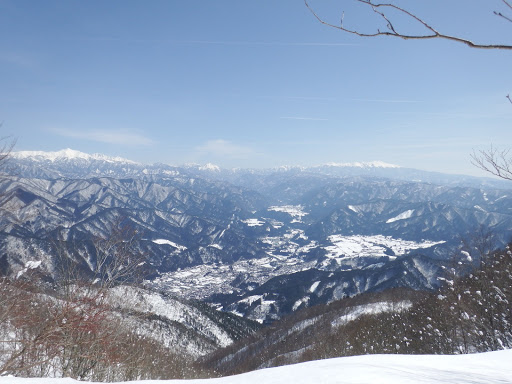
x=353 y=208
x=32 y=264
x=253 y=222
x=29 y=265
x=371 y=309
x=209 y=167
x=359 y=245
x=171 y=243
x=66 y=154
x=314 y=286
x=402 y=216
x=488 y=368
x=295 y=211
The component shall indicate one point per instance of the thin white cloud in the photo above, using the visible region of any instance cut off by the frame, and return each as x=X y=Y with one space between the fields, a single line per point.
x=387 y=100
x=269 y=43
x=302 y=118
x=313 y=98
x=456 y=115
x=211 y=42
x=224 y=148
x=119 y=137
x=438 y=142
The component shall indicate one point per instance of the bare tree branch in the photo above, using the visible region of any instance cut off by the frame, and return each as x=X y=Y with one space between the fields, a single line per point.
x=432 y=33
x=496 y=162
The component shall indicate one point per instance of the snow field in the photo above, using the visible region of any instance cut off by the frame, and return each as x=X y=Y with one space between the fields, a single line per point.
x=483 y=368
x=359 y=245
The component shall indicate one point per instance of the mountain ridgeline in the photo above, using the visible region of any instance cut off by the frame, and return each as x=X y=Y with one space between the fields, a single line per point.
x=258 y=243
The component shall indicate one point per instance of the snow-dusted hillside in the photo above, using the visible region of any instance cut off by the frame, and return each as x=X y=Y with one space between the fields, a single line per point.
x=181 y=326
x=249 y=240
x=483 y=368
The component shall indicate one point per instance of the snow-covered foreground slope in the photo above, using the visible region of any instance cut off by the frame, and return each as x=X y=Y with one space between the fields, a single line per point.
x=488 y=368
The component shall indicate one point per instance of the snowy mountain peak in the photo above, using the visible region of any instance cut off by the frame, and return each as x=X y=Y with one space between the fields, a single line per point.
x=369 y=164
x=209 y=167
x=286 y=168
x=66 y=155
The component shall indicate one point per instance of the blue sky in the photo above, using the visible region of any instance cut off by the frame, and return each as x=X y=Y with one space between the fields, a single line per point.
x=252 y=83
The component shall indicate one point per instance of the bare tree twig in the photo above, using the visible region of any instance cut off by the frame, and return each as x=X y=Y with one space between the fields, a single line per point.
x=501 y=14
x=508 y=4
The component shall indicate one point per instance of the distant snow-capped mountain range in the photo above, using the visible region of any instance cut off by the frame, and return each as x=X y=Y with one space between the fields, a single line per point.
x=66 y=155
x=70 y=163
x=71 y=154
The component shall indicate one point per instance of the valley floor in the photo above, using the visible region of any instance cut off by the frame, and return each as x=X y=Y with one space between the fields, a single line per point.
x=488 y=368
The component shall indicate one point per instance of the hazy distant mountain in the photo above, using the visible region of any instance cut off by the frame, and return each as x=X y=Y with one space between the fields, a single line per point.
x=75 y=164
